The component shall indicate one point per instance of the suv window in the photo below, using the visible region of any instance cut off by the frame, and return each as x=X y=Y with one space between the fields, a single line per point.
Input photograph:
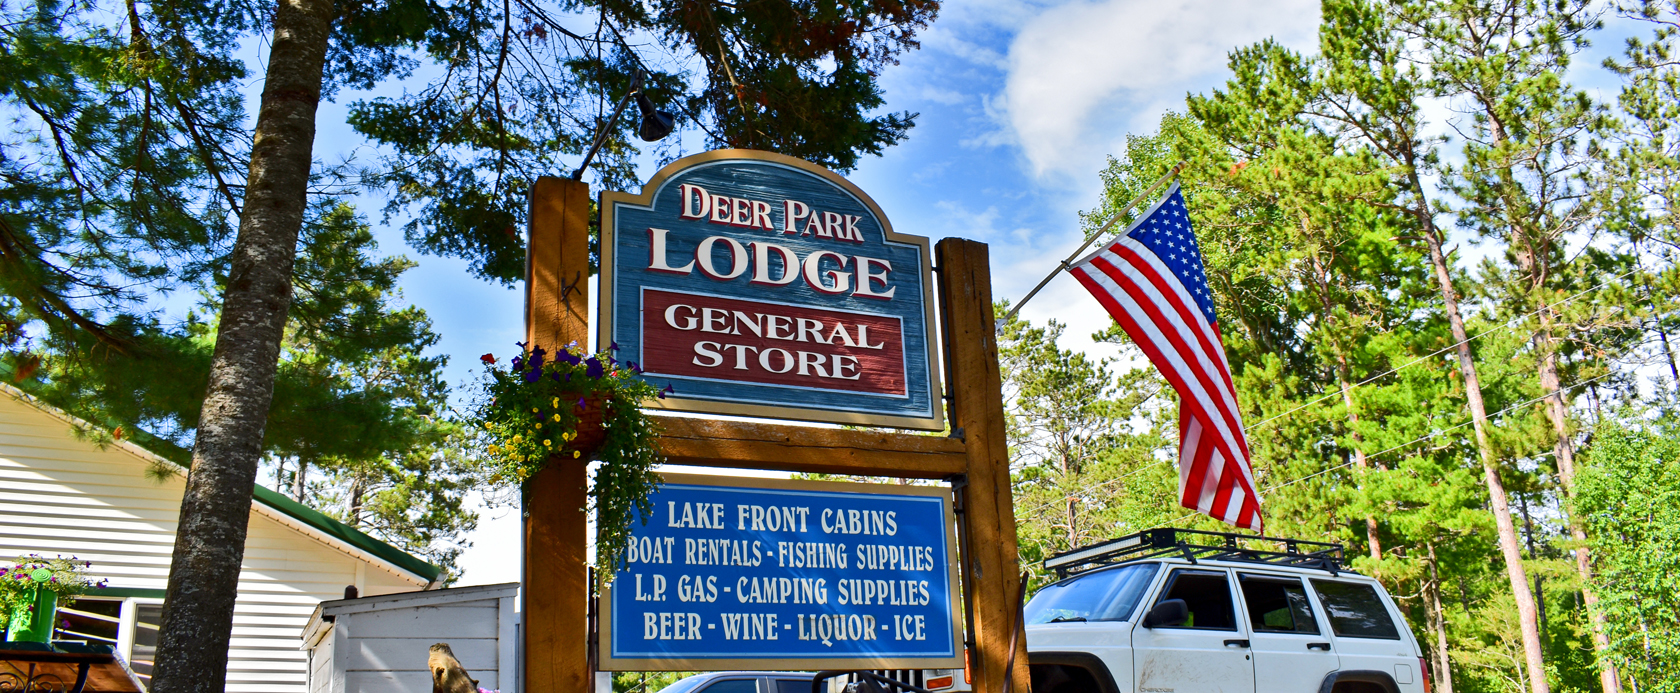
x=1277 y=605
x=1355 y=610
x=733 y=686
x=793 y=686
x=1207 y=594
x=1104 y=595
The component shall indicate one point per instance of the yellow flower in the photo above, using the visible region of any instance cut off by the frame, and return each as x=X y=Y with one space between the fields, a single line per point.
x=556 y=418
x=556 y=401
x=495 y=450
x=567 y=436
x=576 y=454
x=533 y=410
x=547 y=444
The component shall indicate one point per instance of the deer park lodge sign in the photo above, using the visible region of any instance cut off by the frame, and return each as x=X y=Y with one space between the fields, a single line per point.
x=762 y=285
x=729 y=573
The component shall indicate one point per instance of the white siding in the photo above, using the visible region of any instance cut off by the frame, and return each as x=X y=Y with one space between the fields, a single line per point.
x=63 y=496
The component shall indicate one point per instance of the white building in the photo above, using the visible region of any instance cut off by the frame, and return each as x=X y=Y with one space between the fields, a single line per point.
x=379 y=644
x=62 y=495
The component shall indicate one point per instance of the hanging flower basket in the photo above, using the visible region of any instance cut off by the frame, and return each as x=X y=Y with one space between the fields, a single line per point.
x=575 y=406
x=31 y=590
x=591 y=429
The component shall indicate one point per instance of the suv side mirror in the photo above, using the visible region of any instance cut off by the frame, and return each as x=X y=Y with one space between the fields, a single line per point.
x=1172 y=612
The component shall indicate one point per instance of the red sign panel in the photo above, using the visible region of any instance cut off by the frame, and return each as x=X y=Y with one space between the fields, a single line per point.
x=739 y=340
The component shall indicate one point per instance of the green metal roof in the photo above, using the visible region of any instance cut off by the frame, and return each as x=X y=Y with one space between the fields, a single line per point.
x=350 y=535
x=262 y=494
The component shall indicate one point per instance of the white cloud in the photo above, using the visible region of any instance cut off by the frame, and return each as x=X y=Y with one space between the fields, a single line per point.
x=1081 y=74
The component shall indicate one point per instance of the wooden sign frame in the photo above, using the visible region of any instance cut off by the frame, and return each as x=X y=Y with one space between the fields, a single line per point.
x=973 y=459
x=677 y=401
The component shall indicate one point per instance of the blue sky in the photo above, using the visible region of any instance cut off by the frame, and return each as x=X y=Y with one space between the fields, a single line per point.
x=1021 y=103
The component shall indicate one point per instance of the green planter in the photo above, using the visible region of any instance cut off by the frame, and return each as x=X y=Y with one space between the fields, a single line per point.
x=34 y=625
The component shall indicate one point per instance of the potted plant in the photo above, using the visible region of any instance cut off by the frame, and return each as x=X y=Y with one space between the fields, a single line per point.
x=573 y=405
x=32 y=589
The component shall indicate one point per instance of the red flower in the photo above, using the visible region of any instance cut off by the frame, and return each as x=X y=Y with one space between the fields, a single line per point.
x=488 y=358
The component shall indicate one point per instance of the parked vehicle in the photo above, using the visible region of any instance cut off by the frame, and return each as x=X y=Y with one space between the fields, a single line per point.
x=935 y=680
x=1183 y=611
x=744 y=682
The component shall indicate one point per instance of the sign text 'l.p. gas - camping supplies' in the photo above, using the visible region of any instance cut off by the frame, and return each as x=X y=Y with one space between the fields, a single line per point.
x=761 y=285
x=731 y=573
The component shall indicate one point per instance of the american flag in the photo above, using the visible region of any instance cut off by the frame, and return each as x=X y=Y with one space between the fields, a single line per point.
x=1152 y=282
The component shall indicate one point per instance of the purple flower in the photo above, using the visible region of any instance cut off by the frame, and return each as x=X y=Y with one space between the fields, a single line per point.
x=518 y=363
x=614 y=347
x=595 y=370
x=569 y=357
x=668 y=390
x=582 y=404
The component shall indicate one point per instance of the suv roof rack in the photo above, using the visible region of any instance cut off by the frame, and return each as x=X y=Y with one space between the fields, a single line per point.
x=1194 y=545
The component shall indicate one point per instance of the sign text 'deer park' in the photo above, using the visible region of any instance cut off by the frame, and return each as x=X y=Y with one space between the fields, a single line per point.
x=762 y=285
x=731 y=573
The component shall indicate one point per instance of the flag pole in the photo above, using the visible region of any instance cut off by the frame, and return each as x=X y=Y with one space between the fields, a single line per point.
x=1088 y=241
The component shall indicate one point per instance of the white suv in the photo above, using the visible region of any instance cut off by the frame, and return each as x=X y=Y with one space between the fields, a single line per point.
x=1182 y=611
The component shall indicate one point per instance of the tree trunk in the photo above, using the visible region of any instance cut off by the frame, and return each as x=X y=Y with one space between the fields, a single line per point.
x=197 y=619
x=1509 y=548
x=300 y=483
x=1563 y=451
x=1539 y=589
x=1360 y=463
x=353 y=513
x=1443 y=665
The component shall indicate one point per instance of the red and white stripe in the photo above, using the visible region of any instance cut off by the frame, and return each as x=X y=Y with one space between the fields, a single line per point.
x=1161 y=317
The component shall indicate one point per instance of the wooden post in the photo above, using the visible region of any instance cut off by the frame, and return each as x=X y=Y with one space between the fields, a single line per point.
x=991 y=571
x=556 y=592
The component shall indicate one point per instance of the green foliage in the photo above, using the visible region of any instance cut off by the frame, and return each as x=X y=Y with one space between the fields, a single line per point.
x=357 y=400
x=537 y=410
x=524 y=96
x=1630 y=495
x=1313 y=182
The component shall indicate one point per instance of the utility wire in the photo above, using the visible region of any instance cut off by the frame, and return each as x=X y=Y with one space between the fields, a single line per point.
x=1440 y=351
x=1420 y=439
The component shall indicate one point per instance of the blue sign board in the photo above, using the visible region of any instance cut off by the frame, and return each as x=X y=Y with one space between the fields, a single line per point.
x=761 y=285
x=732 y=573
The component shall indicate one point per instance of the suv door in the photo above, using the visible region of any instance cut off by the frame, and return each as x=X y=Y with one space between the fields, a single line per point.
x=1291 y=651
x=1208 y=653
x=1367 y=633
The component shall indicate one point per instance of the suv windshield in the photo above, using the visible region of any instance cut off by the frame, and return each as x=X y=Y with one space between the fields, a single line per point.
x=1105 y=595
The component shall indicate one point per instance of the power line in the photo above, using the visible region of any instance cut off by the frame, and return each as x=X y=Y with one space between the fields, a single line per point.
x=1420 y=439
x=1442 y=350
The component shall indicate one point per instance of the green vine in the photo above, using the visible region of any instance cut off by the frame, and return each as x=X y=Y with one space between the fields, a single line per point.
x=532 y=412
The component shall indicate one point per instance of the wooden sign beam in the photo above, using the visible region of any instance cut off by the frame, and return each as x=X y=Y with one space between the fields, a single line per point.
x=711 y=443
